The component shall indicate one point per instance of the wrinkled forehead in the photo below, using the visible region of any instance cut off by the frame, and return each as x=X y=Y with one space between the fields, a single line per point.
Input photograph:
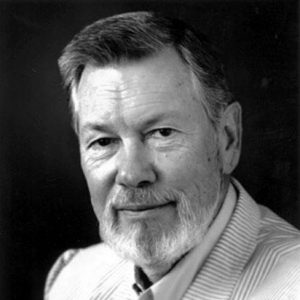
x=164 y=71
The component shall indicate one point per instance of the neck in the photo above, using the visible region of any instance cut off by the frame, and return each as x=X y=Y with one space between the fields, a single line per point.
x=225 y=180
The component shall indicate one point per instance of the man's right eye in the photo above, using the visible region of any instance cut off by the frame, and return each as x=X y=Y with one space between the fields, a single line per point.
x=103 y=142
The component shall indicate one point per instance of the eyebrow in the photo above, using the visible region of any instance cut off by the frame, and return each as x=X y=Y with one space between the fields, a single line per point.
x=91 y=126
x=157 y=118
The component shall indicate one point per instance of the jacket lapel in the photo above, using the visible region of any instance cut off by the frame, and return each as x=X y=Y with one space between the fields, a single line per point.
x=218 y=275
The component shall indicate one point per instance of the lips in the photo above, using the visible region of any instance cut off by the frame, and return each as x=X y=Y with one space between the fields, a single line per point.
x=142 y=207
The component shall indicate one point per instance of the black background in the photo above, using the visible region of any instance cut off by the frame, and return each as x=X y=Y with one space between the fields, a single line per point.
x=44 y=204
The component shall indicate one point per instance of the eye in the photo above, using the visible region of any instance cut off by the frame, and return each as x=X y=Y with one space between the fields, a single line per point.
x=162 y=132
x=103 y=142
x=165 y=131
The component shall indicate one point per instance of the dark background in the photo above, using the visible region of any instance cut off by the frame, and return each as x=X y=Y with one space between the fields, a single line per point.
x=44 y=206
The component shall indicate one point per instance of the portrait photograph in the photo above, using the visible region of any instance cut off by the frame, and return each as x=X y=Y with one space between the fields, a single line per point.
x=149 y=149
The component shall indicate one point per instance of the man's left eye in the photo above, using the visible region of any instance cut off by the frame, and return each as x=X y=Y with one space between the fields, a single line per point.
x=163 y=132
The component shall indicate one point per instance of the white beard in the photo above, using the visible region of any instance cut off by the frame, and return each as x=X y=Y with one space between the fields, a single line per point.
x=151 y=244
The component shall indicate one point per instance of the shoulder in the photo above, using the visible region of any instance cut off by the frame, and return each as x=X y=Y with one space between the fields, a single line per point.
x=281 y=265
x=272 y=232
x=276 y=235
x=277 y=241
x=78 y=269
x=62 y=261
x=273 y=270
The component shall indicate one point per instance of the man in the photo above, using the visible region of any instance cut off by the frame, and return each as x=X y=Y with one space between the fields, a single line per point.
x=159 y=136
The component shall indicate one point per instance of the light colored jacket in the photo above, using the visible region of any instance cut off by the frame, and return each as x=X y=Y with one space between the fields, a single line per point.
x=256 y=258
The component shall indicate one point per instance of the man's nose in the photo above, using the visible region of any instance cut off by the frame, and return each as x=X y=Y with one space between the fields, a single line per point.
x=134 y=166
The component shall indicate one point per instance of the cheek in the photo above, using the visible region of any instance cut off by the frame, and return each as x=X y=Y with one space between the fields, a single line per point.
x=187 y=166
x=99 y=178
x=98 y=192
x=196 y=172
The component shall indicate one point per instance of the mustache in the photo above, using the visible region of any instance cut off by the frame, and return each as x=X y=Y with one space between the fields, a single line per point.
x=143 y=196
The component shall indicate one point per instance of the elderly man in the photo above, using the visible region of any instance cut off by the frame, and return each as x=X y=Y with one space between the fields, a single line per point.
x=159 y=136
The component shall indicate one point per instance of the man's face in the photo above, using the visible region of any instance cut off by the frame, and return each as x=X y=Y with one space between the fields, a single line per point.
x=149 y=155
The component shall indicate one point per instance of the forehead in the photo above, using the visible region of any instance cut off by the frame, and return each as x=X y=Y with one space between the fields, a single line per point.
x=163 y=71
x=166 y=61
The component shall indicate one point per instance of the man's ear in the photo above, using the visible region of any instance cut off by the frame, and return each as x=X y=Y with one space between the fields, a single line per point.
x=230 y=137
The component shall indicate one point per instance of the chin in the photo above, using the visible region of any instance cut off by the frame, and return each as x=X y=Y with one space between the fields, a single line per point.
x=148 y=246
x=146 y=242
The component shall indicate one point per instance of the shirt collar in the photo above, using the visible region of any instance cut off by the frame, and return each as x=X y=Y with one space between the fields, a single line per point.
x=173 y=285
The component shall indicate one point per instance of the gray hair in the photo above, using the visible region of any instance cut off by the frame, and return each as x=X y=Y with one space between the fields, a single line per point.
x=134 y=36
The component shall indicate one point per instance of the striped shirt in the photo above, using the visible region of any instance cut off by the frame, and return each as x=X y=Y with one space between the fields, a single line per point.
x=256 y=257
x=173 y=285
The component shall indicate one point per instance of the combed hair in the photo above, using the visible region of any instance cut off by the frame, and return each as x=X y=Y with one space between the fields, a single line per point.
x=134 y=36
